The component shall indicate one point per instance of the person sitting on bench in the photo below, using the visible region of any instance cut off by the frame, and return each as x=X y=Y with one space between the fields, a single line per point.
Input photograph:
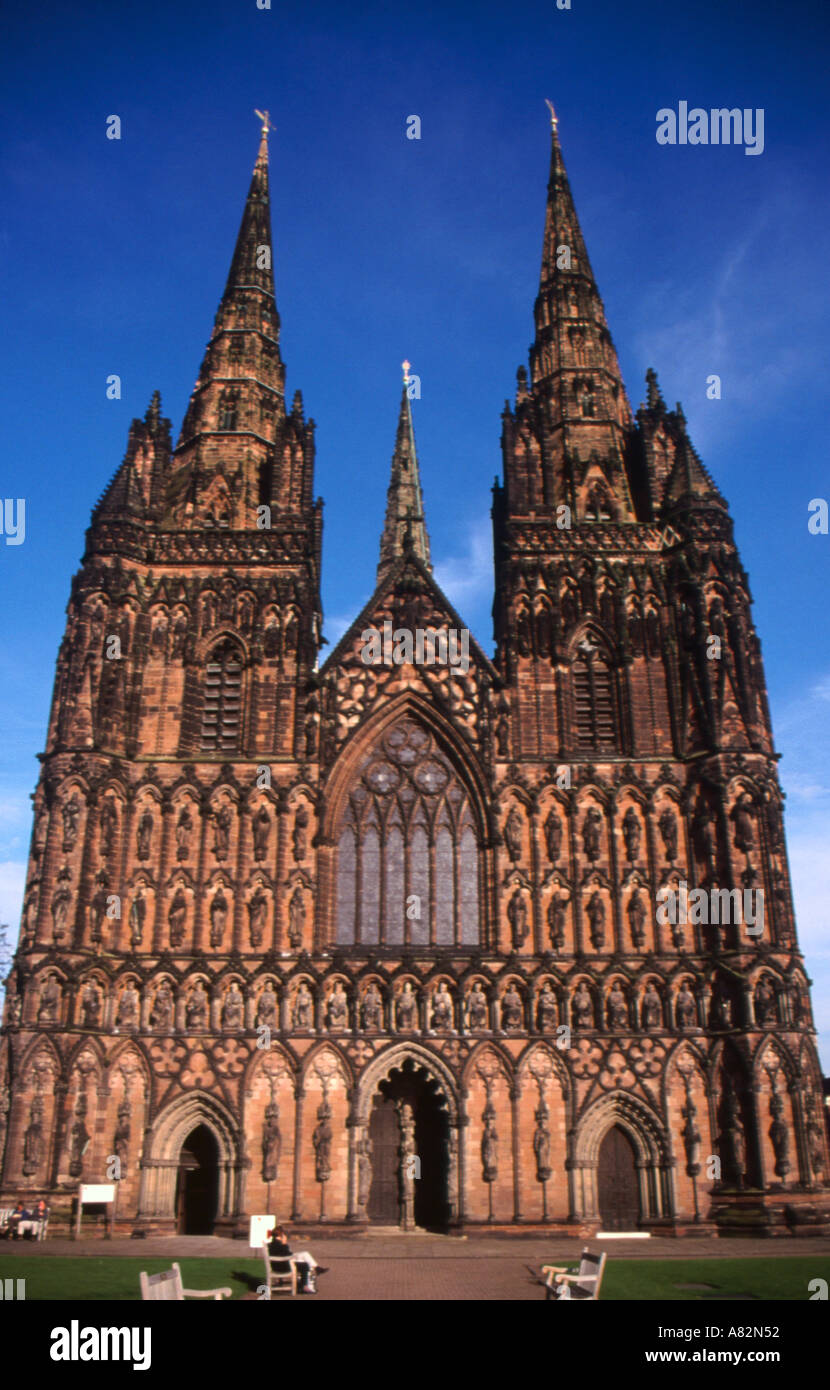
x=304 y=1261
x=19 y=1214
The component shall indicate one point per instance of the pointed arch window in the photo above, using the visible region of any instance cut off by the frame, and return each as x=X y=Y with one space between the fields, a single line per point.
x=222 y=700
x=408 y=850
x=228 y=411
x=595 y=718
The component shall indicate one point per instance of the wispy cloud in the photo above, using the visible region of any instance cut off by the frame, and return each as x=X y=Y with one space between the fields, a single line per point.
x=467 y=578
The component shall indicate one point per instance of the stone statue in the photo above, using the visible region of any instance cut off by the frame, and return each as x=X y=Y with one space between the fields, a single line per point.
x=408 y=1165
x=637 y=914
x=161 y=1014
x=338 y=1009
x=476 y=1008
x=557 y=917
x=596 y=917
x=144 y=834
x=121 y=1139
x=303 y=1007
x=222 y=822
x=78 y=1139
x=815 y=1142
x=97 y=912
x=691 y=1136
x=257 y=919
x=372 y=1007
x=442 y=1010
x=541 y=1143
x=296 y=918
x=652 y=1007
x=517 y=916
x=233 y=1009
x=218 y=919
x=177 y=918
x=502 y=735
x=779 y=1135
x=406 y=1008
x=364 y=1170
x=261 y=829
x=592 y=834
x=582 y=1007
x=184 y=829
x=547 y=1014
x=513 y=835
x=742 y=816
x=33 y=1145
x=271 y=1143
x=765 y=1010
x=138 y=911
x=127 y=1015
x=667 y=826
x=91 y=1002
x=685 y=1009
x=703 y=839
x=310 y=736
x=300 y=834
x=109 y=825
x=617 y=1008
x=50 y=1001
x=196 y=1011
x=733 y=1143
x=321 y=1139
x=71 y=812
x=511 y=1007
x=60 y=913
x=266 y=1013
x=631 y=834
x=553 y=836
x=489 y=1145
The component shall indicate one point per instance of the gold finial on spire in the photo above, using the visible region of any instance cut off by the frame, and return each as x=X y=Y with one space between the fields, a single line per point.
x=554 y=119
x=266 y=121
x=406 y=366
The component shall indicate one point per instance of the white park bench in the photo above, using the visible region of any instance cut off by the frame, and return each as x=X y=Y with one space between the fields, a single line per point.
x=168 y=1287
x=565 y=1284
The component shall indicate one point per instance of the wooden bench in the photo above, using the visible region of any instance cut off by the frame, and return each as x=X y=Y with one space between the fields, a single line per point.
x=167 y=1286
x=280 y=1273
x=35 y=1228
x=565 y=1285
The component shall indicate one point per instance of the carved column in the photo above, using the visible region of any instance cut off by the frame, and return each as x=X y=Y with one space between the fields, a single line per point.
x=299 y=1096
x=280 y=937
x=163 y=872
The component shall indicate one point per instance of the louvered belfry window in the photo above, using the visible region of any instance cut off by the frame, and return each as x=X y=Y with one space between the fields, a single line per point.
x=407 y=857
x=222 y=705
x=593 y=687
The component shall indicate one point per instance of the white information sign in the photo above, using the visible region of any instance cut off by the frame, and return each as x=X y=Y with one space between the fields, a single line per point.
x=97 y=1192
x=260 y=1226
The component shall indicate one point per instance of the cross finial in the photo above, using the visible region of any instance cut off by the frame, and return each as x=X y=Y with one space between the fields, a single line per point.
x=266 y=121
x=554 y=119
x=406 y=366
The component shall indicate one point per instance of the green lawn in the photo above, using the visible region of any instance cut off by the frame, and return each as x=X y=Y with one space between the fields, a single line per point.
x=73 y=1278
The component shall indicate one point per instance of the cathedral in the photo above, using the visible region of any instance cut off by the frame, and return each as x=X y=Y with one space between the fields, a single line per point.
x=412 y=937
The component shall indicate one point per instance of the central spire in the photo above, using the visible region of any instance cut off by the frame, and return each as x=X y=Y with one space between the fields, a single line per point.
x=404 y=530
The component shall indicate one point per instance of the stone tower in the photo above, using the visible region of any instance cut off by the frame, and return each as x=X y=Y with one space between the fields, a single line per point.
x=416 y=937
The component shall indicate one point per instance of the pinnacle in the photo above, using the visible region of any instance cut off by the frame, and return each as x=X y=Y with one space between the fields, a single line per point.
x=404 y=529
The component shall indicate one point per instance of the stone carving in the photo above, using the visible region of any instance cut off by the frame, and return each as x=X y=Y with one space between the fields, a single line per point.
x=442 y=1009
x=815 y=1137
x=372 y=1007
x=233 y=1009
x=489 y=1145
x=33 y=1141
x=406 y=1009
x=97 y=912
x=303 y=1007
x=765 y=1009
x=703 y=840
x=596 y=917
x=338 y=1008
x=71 y=812
x=631 y=834
x=553 y=836
x=592 y=834
x=690 y=1133
x=321 y=1139
x=732 y=1141
x=541 y=1142
x=502 y=736
x=517 y=916
x=161 y=1014
x=271 y=1143
x=222 y=822
x=257 y=919
x=667 y=826
x=582 y=1007
x=742 y=817
x=637 y=914
x=476 y=1008
x=617 y=1008
x=364 y=1170
x=127 y=1015
x=78 y=1137
x=511 y=1008
x=91 y=1001
x=266 y=1014
x=218 y=919
x=408 y=1165
x=138 y=912
x=557 y=917
x=547 y=1013
x=144 y=834
x=60 y=916
x=109 y=825
x=296 y=918
x=184 y=830
x=121 y=1138
x=652 y=1007
x=261 y=830
x=300 y=834
x=50 y=1001
x=196 y=1010
x=685 y=1008
x=778 y=1133
x=513 y=828
x=177 y=918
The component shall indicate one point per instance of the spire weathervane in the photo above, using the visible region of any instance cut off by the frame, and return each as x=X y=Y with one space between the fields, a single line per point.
x=266 y=120
x=554 y=119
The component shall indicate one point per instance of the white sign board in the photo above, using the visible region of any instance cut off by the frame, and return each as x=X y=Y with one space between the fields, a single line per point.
x=260 y=1226
x=97 y=1192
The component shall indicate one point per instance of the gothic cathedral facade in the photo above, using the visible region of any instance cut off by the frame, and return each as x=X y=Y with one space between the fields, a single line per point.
x=413 y=937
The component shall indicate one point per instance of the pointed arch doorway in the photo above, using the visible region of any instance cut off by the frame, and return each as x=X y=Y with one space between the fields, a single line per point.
x=411 y=1086
x=618 y=1189
x=197 y=1189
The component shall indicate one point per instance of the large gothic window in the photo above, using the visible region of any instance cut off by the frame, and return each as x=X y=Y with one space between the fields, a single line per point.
x=407 y=866
x=222 y=702
x=593 y=695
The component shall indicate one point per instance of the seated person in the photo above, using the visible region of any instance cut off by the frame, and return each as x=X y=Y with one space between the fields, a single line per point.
x=40 y=1211
x=19 y=1214
x=304 y=1262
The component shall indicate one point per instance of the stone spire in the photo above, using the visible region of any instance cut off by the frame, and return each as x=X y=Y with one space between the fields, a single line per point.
x=136 y=491
x=404 y=530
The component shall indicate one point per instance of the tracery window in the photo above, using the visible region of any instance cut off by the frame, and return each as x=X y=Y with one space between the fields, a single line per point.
x=593 y=695
x=407 y=865
x=222 y=701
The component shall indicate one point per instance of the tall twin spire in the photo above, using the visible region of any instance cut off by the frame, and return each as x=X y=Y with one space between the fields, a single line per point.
x=404 y=530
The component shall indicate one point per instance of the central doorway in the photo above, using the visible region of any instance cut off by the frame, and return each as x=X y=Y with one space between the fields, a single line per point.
x=618 y=1190
x=412 y=1085
x=197 y=1193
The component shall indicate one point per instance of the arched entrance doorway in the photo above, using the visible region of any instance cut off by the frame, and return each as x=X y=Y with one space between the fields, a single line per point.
x=197 y=1191
x=409 y=1086
x=618 y=1189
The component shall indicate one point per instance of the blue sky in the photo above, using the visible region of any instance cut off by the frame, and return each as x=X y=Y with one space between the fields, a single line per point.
x=114 y=255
